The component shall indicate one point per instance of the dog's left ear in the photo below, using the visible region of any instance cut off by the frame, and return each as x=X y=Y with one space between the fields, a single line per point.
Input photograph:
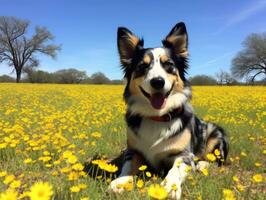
x=177 y=40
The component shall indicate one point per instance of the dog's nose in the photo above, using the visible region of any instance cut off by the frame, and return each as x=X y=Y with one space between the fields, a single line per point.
x=157 y=83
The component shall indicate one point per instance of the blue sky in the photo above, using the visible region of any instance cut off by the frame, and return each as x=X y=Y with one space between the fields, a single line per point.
x=87 y=29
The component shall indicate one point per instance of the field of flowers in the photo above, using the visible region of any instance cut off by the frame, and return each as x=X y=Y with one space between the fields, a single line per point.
x=48 y=132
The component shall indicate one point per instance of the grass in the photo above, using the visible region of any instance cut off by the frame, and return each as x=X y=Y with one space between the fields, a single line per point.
x=42 y=123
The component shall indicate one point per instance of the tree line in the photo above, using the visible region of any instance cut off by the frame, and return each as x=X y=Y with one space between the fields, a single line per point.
x=74 y=76
x=63 y=76
x=20 y=52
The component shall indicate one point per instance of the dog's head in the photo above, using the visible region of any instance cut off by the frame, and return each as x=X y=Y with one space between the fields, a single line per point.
x=156 y=82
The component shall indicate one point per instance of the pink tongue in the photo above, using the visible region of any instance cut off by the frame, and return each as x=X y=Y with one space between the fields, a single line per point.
x=158 y=101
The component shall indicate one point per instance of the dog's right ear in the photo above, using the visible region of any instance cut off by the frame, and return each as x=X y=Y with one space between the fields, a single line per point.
x=128 y=44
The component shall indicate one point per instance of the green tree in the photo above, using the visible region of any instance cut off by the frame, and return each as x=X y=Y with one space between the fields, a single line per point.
x=202 y=80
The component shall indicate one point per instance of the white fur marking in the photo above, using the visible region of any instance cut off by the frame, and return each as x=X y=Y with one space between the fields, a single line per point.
x=202 y=165
x=123 y=178
x=116 y=185
x=175 y=178
x=156 y=71
x=151 y=134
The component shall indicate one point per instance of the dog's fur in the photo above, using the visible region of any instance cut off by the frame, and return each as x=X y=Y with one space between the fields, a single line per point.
x=162 y=128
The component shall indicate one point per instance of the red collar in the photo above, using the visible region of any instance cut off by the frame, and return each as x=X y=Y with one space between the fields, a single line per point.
x=168 y=116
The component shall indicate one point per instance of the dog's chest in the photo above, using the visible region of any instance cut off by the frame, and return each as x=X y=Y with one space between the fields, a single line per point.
x=150 y=136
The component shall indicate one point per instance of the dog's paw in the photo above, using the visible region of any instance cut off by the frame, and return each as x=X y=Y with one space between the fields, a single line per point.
x=202 y=165
x=119 y=184
x=173 y=187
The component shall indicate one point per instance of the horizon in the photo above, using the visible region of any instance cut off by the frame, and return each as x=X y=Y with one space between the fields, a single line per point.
x=87 y=31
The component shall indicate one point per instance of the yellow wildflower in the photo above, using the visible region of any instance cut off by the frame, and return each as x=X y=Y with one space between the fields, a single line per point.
x=96 y=135
x=82 y=186
x=243 y=154
x=148 y=174
x=75 y=189
x=3 y=173
x=73 y=176
x=15 y=184
x=41 y=191
x=211 y=157
x=67 y=154
x=128 y=186
x=257 y=164
x=140 y=183
x=84 y=198
x=228 y=194
x=217 y=152
x=78 y=167
x=240 y=187
x=72 y=159
x=9 y=194
x=205 y=171
x=111 y=168
x=65 y=170
x=24 y=195
x=27 y=161
x=257 y=178
x=157 y=192
x=235 y=178
x=9 y=179
x=142 y=167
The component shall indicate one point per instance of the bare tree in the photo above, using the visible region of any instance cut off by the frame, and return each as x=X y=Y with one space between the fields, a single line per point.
x=251 y=61
x=18 y=50
x=225 y=78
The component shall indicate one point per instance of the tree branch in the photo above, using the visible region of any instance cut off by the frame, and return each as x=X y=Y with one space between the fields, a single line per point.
x=252 y=79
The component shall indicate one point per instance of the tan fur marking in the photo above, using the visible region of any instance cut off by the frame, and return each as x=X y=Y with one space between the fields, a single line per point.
x=210 y=145
x=133 y=40
x=164 y=58
x=134 y=85
x=179 y=44
x=147 y=59
x=179 y=84
x=173 y=145
x=172 y=39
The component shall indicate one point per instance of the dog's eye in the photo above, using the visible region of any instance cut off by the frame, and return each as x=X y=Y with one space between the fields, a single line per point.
x=143 y=65
x=168 y=63
x=169 y=67
x=141 y=69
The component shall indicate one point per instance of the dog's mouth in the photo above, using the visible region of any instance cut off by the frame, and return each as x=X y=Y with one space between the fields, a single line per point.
x=157 y=99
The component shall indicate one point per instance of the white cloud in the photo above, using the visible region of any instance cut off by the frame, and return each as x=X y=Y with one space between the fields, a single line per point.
x=244 y=14
x=215 y=60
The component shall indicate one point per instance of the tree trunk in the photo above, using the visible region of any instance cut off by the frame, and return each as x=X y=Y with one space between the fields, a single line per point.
x=18 y=75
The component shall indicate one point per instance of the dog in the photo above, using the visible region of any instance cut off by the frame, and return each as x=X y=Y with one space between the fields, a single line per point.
x=162 y=129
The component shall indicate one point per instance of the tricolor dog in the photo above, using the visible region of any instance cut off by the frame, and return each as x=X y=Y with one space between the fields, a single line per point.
x=162 y=129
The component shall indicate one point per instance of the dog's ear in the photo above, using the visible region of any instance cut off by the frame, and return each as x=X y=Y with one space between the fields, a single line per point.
x=177 y=40
x=128 y=44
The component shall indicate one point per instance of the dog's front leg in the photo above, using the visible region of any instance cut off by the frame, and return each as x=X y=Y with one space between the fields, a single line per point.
x=130 y=168
x=175 y=177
